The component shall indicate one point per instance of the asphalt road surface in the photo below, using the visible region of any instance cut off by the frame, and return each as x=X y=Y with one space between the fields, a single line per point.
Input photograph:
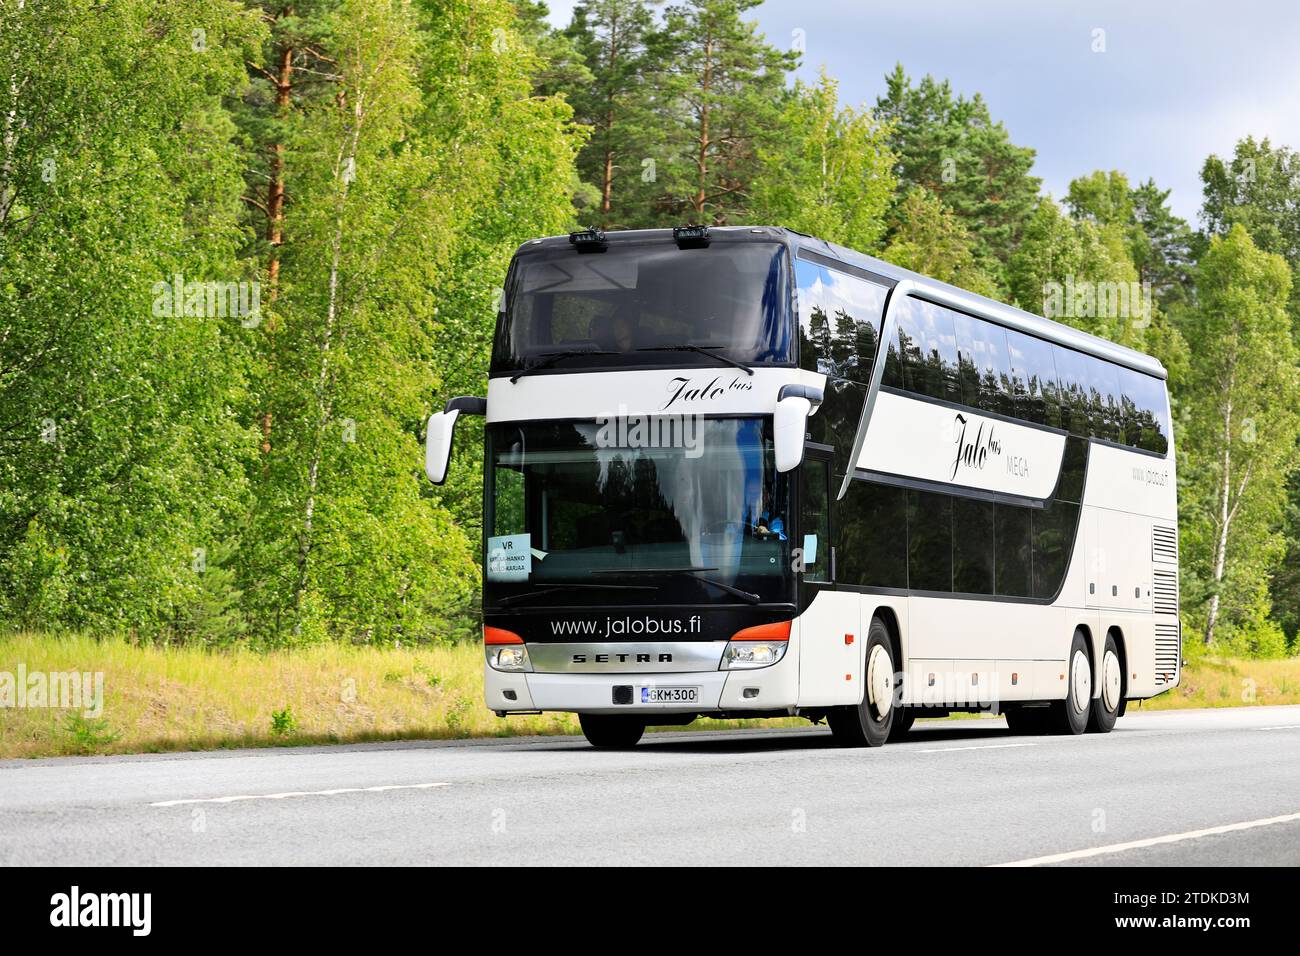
x=1209 y=787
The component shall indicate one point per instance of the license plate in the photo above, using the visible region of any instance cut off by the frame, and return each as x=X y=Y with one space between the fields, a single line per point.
x=670 y=695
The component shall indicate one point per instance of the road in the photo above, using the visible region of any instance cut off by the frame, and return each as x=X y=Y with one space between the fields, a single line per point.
x=961 y=792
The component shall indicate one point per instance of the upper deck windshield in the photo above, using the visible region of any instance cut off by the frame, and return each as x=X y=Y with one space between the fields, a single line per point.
x=622 y=305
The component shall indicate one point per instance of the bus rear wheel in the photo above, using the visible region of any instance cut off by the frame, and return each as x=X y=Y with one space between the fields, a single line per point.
x=1070 y=716
x=868 y=724
x=1109 y=704
x=611 y=731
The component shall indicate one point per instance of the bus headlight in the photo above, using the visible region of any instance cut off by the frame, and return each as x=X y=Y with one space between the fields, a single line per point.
x=505 y=650
x=746 y=655
x=509 y=657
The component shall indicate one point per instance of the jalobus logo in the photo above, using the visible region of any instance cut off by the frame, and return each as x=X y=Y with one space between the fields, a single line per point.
x=208 y=300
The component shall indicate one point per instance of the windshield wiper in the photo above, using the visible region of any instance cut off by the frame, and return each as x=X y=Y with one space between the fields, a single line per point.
x=702 y=350
x=747 y=596
x=516 y=598
x=550 y=358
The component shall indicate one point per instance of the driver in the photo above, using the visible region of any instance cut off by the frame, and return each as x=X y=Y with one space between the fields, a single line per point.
x=623 y=331
x=771 y=524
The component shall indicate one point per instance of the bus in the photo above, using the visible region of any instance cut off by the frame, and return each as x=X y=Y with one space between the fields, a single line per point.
x=740 y=472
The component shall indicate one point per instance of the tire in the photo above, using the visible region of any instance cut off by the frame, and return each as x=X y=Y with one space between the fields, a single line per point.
x=1107 y=707
x=1026 y=721
x=902 y=724
x=1070 y=716
x=868 y=724
x=611 y=731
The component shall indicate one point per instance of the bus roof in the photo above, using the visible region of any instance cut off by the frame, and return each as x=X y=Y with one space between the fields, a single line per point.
x=979 y=305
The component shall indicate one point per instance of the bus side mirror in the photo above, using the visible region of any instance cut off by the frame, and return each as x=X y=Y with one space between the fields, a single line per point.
x=442 y=426
x=794 y=403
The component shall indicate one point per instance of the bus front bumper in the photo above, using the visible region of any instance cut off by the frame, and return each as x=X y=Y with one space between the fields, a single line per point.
x=772 y=688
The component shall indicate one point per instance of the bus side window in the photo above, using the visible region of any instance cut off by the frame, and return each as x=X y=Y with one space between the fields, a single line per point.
x=839 y=321
x=871 y=536
x=815 y=525
x=928 y=346
x=1034 y=377
x=984 y=368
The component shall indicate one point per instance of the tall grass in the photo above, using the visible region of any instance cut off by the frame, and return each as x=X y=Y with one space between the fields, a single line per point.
x=168 y=698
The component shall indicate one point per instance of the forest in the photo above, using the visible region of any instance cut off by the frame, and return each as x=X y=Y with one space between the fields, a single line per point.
x=246 y=247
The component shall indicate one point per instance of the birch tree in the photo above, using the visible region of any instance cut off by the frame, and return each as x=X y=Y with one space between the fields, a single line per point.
x=1239 y=431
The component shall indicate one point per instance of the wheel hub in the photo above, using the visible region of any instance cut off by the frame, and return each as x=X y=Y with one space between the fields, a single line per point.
x=880 y=681
x=1080 y=681
x=1111 y=679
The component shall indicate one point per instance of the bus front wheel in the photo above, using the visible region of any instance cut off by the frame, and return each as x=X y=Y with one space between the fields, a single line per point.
x=611 y=731
x=868 y=724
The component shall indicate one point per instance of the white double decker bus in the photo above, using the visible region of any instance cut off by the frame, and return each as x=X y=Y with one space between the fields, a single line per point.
x=741 y=472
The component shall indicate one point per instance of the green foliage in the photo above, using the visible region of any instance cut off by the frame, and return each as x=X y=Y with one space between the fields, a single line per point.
x=283 y=723
x=952 y=146
x=719 y=89
x=191 y=475
x=1161 y=245
x=618 y=162
x=87 y=735
x=1103 y=198
x=829 y=171
x=928 y=238
x=1239 y=429
x=1257 y=189
x=121 y=448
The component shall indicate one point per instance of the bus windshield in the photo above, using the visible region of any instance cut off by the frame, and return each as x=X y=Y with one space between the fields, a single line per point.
x=593 y=522
x=626 y=304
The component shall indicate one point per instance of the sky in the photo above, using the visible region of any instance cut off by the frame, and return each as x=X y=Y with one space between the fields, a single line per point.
x=1175 y=82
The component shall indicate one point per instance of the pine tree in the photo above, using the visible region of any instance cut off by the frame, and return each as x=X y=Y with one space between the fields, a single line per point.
x=721 y=85
x=951 y=146
x=610 y=36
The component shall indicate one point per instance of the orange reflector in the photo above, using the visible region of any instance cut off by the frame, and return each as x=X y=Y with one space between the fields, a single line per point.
x=848 y=677
x=779 y=631
x=499 y=635
x=848 y=639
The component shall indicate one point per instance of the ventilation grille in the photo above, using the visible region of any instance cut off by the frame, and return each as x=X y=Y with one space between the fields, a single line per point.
x=1164 y=544
x=1164 y=591
x=1168 y=651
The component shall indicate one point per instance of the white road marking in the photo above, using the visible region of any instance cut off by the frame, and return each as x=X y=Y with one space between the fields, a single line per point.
x=1153 y=841
x=301 y=793
x=1281 y=727
x=948 y=750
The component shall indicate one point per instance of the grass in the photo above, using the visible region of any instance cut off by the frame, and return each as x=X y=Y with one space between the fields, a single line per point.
x=160 y=699
x=1232 y=682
